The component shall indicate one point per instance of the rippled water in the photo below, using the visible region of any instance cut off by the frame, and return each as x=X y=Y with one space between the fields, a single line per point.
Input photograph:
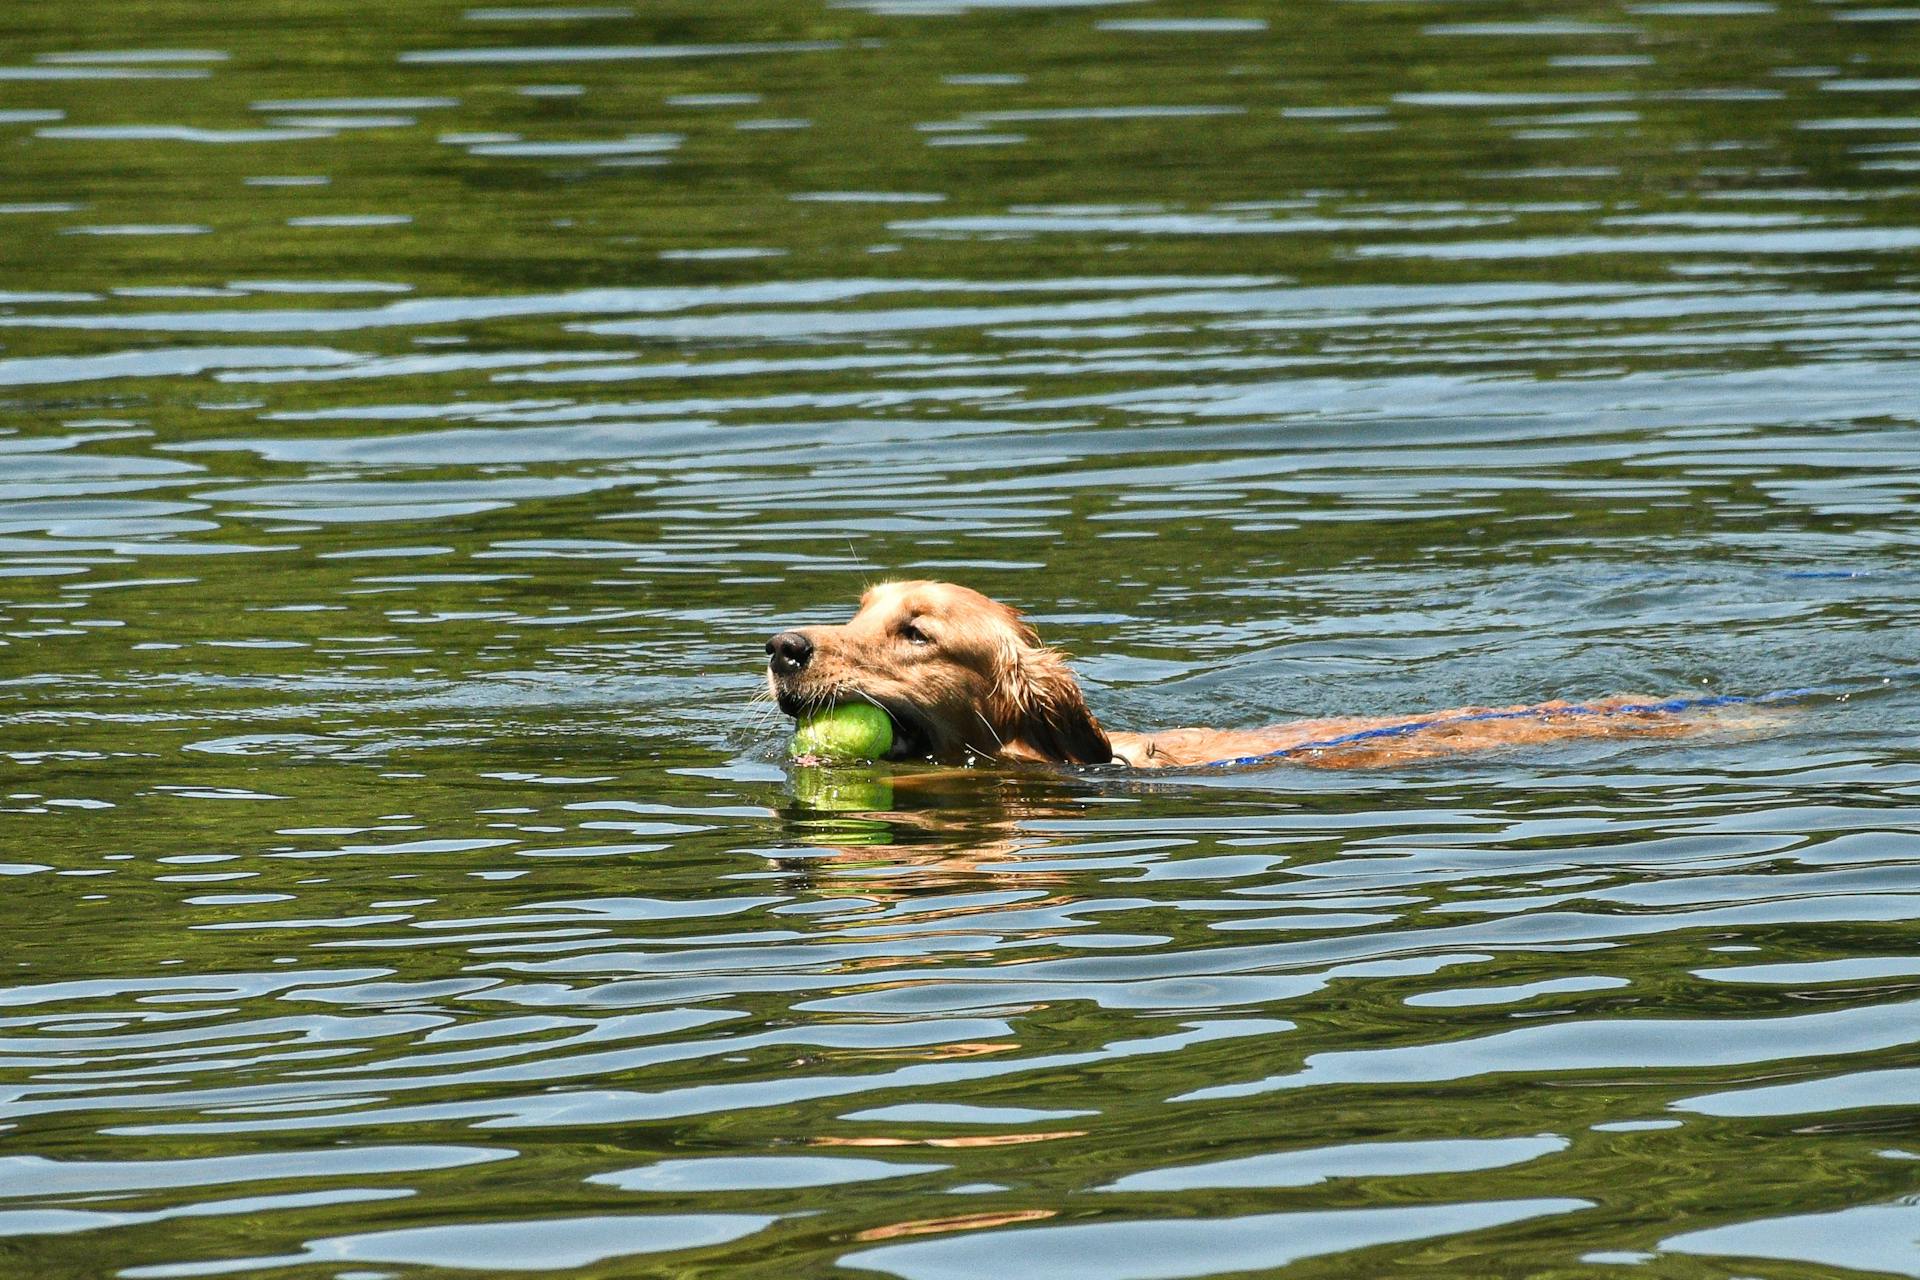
x=413 y=418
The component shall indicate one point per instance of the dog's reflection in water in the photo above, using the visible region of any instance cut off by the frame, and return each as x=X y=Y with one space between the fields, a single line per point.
x=888 y=832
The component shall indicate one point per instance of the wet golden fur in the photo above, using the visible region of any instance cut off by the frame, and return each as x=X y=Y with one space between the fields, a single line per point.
x=964 y=676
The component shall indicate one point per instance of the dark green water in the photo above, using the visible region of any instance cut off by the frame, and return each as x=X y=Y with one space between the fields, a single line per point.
x=414 y=417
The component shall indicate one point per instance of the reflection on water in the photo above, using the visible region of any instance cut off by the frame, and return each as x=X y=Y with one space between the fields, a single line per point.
x=412 y=421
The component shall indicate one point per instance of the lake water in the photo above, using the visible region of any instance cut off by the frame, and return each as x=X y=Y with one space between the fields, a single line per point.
x=413 y=419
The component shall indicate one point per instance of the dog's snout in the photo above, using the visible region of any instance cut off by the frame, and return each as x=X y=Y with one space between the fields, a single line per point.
x=789 y=652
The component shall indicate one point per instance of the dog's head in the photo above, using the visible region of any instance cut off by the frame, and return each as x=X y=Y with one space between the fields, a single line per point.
x=959 y=674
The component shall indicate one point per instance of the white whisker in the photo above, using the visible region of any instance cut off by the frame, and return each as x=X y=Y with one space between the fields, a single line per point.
x=866 y=573
x=988 y=726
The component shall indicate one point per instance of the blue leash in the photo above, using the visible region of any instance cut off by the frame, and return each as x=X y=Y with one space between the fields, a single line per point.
x=1529 y=713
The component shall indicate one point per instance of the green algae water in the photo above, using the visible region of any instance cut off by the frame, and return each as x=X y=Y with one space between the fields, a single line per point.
x=414 y=419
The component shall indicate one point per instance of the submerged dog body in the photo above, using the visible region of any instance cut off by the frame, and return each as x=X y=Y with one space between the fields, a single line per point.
x=963 y=676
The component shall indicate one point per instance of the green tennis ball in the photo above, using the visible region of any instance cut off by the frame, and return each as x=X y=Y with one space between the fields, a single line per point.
x=851 y=731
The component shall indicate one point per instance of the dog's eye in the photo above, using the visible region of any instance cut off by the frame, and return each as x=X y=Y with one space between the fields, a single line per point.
x=912 y=634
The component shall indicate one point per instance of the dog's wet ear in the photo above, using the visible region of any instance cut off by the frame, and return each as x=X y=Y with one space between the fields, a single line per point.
x=1039 y=712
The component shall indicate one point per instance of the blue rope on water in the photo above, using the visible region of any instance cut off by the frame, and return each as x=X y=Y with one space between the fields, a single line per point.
x=1668 y=705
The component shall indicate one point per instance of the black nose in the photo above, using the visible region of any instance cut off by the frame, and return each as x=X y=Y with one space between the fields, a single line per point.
x=789 y=652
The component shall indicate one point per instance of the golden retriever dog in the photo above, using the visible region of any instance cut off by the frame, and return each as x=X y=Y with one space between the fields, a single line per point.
x=964 y=677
